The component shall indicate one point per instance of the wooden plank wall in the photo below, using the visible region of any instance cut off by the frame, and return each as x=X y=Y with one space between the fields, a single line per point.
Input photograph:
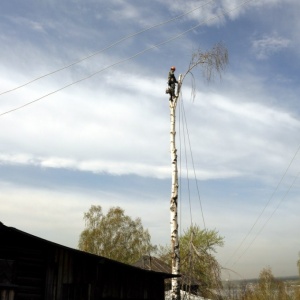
x=46 y=271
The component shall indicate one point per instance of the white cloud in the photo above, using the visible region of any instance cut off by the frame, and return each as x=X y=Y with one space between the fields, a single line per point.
x=43 y=213
x=24 y=22
x=267 y=45
x=243 y=131
x=129 y=134
x=214 y=12
x=47 y=212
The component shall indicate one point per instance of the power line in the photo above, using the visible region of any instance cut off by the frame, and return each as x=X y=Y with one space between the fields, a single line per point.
x=180 y=168
x=192 y=159
x=128 y=58
x=194 y=170
x=261 y=213
x=184 y=128
x=108 y=47
x=205 y=231
x=267 y=221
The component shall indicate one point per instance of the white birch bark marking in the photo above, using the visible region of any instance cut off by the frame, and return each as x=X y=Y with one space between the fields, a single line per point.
x=175 y=292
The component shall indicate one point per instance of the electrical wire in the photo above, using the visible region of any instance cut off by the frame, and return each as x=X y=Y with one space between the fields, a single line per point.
x=214 y=267
x=267 y=204
x=265 y=207
x=186 y=160
x=193 y=164
x=180 y=177
x=267 y=221
x=109 y=47
x=129 y=58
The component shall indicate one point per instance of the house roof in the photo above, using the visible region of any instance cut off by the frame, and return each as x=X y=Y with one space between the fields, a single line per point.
x=11 y=231
x=148 y=262
x=152 y=263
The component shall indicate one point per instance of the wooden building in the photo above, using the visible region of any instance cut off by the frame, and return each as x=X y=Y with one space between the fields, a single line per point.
x=187 y=283
x=32 y=268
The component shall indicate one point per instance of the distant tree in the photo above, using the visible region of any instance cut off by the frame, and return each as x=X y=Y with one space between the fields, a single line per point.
x=268 y=288
x=114 y=235
x=297 y=292
x=282 y=291
x=267 y=283
x=298 y=264
x=197 y=260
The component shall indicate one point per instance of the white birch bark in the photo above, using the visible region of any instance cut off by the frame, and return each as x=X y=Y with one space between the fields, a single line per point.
x=175 y=292
x=214 y=60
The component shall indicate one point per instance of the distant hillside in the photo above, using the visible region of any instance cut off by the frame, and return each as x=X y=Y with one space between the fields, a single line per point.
x=294 y=278
x=288 y=278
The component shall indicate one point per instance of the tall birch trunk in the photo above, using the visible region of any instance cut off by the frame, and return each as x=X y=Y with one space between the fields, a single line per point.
x=175 y=292
x=213 y=61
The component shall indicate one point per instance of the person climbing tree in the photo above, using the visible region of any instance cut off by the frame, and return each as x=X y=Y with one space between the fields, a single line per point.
x=171 y=83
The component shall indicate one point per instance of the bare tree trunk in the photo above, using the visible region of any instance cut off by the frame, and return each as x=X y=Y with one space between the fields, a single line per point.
x=175 y=293
x=213 y=61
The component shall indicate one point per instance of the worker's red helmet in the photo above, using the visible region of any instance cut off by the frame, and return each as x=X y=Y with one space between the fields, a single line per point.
x=173 y=68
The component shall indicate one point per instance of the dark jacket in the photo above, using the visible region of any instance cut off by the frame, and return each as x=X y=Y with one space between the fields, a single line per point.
x=172 y=78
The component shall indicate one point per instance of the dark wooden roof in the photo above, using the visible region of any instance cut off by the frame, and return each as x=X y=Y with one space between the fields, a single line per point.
x=15 y=233
x=148 y=262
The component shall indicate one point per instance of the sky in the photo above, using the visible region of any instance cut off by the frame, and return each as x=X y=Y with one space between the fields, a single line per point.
x=84 y=120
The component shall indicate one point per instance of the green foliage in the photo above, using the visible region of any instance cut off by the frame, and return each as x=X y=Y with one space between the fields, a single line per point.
x=298 y=265
x=198 y=265
x=266 y=288
x=266 y=284
x=114 y=235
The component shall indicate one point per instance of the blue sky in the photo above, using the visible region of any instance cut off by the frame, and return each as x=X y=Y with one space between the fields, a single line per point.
x=105 y=140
